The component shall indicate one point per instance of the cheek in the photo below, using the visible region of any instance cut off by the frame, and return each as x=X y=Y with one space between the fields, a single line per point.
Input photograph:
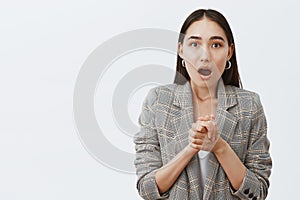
x=220 y=61
x=190 y=54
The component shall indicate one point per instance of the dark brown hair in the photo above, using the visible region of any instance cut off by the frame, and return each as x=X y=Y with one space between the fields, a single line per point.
x=230 y=76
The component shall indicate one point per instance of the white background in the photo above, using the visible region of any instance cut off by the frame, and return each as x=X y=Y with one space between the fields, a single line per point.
x=42 y=47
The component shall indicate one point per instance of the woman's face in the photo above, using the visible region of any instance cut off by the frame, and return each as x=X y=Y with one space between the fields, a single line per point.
x=205 y=50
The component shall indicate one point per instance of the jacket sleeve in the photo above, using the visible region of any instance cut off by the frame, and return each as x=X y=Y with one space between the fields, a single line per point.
x=148 y=156
x=258 y=161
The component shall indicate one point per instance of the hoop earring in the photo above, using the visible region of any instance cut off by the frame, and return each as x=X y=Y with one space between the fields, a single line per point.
x=183 y=63
x=229 y=65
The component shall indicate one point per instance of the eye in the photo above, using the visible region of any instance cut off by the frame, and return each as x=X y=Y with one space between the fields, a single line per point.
x=216 y=45
x=194 y=44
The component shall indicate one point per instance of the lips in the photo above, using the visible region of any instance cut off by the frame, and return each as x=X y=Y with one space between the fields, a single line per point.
x=204 y=72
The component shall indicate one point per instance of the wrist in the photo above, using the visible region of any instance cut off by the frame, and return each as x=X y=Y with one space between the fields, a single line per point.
x=190 y=150
x=220 y=146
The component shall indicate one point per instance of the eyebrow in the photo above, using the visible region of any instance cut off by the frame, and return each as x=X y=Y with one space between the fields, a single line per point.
x=211 y=38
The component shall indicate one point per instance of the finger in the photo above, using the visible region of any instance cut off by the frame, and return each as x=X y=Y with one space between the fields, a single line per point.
x=202 y=118
x=197 y=127
x=197 y=141
x=204 y=123
x=197 y=135
x=192 y=137
x=202 y=129
x=192 y=133
x=194 y=146
x=212 y=117
x=201 y=135
x=205 y=118
x=209 y=135
x=208 y=124
x=213 y=138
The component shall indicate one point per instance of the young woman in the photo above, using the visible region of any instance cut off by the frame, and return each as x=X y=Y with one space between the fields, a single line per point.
x=203 y=137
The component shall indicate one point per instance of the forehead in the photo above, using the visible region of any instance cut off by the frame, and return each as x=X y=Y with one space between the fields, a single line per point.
x=205 y=28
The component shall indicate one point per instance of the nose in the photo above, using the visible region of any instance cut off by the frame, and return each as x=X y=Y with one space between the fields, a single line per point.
x=204 y=54
x=204 y=60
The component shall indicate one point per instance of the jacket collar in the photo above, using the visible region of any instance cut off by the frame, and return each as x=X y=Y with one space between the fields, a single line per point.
x=225 y=94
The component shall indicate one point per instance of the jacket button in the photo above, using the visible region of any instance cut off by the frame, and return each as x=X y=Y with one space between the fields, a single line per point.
x=250 y=195
x=254 y=198
x=246 y=191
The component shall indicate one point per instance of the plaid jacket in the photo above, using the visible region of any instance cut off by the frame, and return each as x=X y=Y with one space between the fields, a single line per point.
x=166 y=117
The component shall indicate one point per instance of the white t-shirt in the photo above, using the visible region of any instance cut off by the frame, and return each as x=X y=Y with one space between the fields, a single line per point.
x=203 y=159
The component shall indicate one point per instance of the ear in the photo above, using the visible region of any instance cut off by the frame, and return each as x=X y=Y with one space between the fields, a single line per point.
x=180 y=50
x=230 y=51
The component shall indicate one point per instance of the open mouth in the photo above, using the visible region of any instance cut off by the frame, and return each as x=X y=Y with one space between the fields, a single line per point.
x=204 y=72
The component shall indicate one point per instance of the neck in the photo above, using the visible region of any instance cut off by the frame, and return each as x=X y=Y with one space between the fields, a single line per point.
x=204 y=93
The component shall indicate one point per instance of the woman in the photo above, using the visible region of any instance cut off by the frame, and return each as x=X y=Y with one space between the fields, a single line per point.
x=203 y=137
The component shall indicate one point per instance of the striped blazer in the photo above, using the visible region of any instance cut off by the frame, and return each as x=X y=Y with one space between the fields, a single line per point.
x=166 y=117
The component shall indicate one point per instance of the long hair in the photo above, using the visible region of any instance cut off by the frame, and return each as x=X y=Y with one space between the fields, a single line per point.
x=230 y=76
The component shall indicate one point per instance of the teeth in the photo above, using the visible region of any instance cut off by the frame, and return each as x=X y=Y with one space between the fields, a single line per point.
x=204 y=72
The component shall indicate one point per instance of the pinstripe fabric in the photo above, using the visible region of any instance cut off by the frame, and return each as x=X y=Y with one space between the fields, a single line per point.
x=166 y=117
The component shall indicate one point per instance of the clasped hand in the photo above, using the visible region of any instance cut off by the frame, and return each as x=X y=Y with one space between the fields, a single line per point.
x=204 y=133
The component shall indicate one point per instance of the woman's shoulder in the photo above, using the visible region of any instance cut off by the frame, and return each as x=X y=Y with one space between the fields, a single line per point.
x=166 y=87
x=162 y=93
x=245 y=96
x=241 y=91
